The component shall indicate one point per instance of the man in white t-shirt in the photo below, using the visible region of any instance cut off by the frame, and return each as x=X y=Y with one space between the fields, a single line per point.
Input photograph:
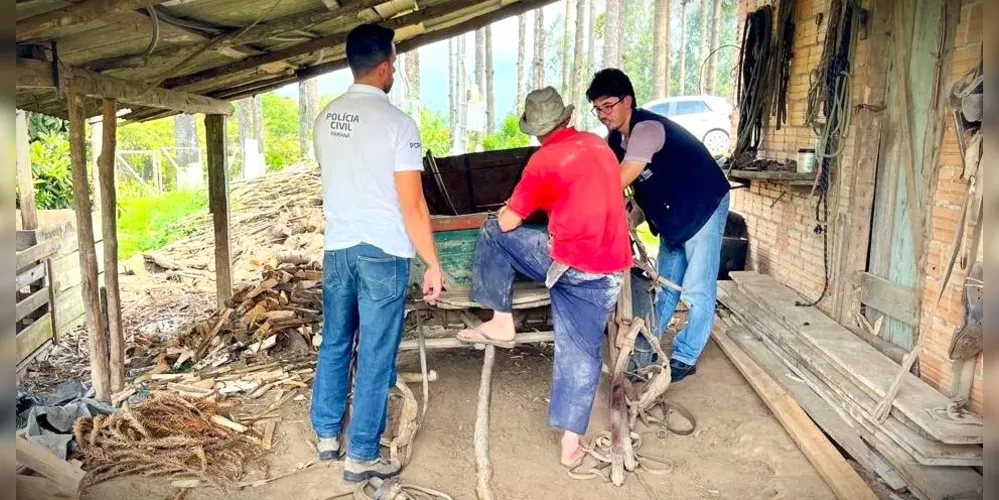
x=369 y=153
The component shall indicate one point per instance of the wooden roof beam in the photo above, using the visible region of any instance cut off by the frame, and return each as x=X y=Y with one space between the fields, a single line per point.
x=37 y=73
x=246 y=36
x=318 y=44
x=36 y=27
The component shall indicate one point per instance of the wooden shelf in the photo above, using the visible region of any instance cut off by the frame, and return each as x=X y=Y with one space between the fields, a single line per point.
x=780 y=176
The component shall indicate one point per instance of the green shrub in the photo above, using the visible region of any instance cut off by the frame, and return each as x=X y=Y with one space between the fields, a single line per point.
x=508 y=136
x=50 y=166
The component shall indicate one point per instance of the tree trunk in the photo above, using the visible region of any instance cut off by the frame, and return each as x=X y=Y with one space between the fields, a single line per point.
x=579 y=63
x=185 y=139
x=612 y=26
x=480 y=59
x=308 y=104
x=539 y=49
x=490 y=81
x=711 y=77
x=591 y=55
x=258 y=123
x=245 y=124
x=567 y=48
x=702 y=36
x=413 y=74
x=521 y=56
x=622 y=45
x=452 y=97
x=683 y=48
x=660 y=50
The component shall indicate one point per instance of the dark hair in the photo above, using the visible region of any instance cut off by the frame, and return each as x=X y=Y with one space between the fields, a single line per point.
x=368 y=45
x=610 y=82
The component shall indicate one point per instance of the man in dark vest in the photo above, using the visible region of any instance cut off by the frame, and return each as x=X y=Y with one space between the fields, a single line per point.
x=684 y=196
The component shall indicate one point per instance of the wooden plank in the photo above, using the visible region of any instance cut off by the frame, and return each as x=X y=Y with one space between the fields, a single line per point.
x=453 y=343
x=870 y=81
x=772 y=175
x=69 y=310
x=39 y=252
x=36 y=27
x=830 y=464
x=889 y=297
x=218 y=204
x=66 y=269
x=440 y=224
x=109 y=212
x=65 y=476
x=25 y=179
x=818 y=409
x=36 y=73
x=30 y=276
x=39 y=488
x=826 y=379
x=872 y=371
x=32 y=337
x=88 y=255
x=323 y=43
x=482 y=20
x=31 y=303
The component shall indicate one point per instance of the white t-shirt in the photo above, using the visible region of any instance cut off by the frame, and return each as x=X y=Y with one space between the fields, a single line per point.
x=361 y=141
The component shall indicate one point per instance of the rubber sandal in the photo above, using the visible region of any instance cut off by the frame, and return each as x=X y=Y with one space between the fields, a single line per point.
x=483 y=339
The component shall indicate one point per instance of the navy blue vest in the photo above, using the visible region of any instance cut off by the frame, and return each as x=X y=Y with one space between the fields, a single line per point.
x=681 y=187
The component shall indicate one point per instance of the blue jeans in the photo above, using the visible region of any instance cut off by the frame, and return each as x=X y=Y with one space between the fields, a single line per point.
x=364 y=292
x=695 y=267
x=581 y=305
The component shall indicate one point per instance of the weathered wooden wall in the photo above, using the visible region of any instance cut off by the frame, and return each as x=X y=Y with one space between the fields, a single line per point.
x=65 y=278
x=781 y=218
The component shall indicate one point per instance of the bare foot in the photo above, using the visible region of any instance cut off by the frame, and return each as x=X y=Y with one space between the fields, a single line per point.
x=572 y=448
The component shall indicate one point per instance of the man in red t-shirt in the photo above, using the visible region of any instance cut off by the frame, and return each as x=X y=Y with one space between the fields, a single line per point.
x=574 y=177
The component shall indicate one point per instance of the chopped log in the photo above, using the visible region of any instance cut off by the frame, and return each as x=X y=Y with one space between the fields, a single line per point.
x=99 y=374
x=268 y=438
x=66 y=477
x=416 y=378
x=483 y=465
x=229 y=424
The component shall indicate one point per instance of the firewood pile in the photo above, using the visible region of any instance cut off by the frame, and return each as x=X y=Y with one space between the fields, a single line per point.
x=281 y=312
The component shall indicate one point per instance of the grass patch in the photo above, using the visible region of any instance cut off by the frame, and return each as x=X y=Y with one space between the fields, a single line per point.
x=148 y=223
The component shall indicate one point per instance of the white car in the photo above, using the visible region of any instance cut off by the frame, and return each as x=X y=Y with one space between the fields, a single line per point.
x=708 y=118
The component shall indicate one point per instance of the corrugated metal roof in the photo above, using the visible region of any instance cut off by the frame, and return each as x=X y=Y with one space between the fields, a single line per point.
x=230 y=37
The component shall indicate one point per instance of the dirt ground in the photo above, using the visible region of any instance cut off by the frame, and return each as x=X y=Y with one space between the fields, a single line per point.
x=740 y=451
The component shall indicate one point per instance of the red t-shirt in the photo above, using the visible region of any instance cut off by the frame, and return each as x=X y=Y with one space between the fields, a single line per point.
x=575 y=178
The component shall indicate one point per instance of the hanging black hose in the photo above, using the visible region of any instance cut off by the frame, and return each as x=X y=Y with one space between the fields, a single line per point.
x=754 y=80
x=783 y=54
x=831 y=89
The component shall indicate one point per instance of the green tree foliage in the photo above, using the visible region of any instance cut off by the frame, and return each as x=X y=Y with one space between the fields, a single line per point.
x=435 y=133
x=280 y=131
x=508 y=136
x=39 y=124
x=50 y=167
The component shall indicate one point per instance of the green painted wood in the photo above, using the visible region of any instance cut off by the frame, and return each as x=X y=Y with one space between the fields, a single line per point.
x=891 y=255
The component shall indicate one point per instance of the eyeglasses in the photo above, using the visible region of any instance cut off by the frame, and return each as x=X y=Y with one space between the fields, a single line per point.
x=598 y=110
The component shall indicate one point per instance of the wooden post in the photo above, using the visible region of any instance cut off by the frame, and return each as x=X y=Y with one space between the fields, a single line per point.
x=25 y=181
x=99 y=375
x=483 y=465
x=96 y=150
x=218 y=203
x=109 y=211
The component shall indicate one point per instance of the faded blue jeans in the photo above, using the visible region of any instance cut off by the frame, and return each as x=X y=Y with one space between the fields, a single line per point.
x=581 y=305
x=695 y=267
x=364 y=299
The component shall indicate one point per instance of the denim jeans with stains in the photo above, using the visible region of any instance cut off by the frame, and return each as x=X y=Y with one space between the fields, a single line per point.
x=695 y=266
x=364 y=299
x=581 y=305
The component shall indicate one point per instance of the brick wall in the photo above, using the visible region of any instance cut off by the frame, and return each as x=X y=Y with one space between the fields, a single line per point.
x=945 y=210
x=781 y=218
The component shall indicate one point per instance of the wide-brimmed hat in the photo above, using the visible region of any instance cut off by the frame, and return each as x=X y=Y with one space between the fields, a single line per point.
x=543 y=111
